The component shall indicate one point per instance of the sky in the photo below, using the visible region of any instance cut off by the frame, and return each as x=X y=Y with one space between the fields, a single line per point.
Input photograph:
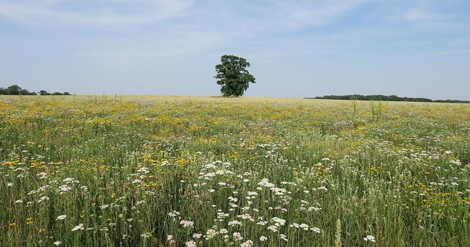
x=296 y=48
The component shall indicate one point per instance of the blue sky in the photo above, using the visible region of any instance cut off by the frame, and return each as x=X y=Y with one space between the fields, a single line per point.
x=297 y=48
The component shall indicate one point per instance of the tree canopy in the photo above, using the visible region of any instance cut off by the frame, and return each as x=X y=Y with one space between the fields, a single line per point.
x=17 y=90
x=386 y=98
x=233 y=76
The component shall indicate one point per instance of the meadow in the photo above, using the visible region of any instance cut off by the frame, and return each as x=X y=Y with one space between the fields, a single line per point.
x=201 y=171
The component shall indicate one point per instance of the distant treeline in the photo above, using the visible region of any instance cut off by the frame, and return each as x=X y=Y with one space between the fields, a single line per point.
x=17 y=90
x=386 y=98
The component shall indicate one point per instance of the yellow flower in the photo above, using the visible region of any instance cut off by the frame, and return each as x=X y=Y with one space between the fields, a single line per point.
x=29 y=221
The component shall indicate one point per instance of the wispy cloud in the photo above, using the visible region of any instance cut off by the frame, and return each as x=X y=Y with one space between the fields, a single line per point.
x=99 y=14
x=418 y=14
x=413 y=11
x=315 y=13
x=443 y=53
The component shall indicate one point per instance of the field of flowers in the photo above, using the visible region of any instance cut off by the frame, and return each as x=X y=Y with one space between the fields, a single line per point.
x=181 y=171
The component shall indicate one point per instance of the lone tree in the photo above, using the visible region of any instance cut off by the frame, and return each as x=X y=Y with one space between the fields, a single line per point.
x=233 y=76
x=14 y=90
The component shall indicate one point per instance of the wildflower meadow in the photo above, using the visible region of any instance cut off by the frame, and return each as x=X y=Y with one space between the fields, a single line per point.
x=201 y=171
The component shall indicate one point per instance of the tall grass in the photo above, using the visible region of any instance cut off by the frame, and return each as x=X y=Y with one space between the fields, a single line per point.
x=180 y=171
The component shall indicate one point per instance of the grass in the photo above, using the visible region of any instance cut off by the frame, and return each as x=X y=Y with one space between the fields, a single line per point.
x=210 y=171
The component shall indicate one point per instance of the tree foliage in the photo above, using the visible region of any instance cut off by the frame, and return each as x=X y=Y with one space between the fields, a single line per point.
x=233 y=76
x=17 y=90
x=386 y=98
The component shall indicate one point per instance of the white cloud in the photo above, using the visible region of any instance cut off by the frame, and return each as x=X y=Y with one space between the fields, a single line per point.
x=413 y=11
x=418 y=14
x=315 y=13
x=100 y=14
